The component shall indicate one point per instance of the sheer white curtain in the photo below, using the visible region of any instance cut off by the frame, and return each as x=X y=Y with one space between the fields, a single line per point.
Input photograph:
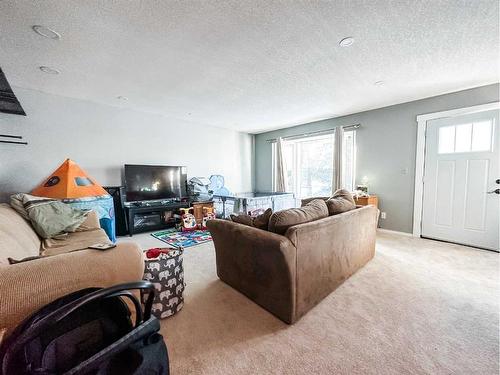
x=280 y=167
x=337 y=158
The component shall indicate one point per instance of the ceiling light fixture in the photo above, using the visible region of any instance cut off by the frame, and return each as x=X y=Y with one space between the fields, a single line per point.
x=46 y=32
x=346 y=42
x=120 y=97
x=379 y=83
x=49 y=70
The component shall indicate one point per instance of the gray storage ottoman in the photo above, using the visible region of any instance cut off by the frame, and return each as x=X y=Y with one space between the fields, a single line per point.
x=167 y=274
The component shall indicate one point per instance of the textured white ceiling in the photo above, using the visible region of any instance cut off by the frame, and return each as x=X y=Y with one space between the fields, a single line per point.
x=251 y=65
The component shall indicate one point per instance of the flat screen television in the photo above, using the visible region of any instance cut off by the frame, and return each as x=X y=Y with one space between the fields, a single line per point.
x=154 y=182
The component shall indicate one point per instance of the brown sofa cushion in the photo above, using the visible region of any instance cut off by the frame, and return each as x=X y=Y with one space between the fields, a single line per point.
x=73 y=241
x=260 y=221
x=282 y=220
x=341 y=201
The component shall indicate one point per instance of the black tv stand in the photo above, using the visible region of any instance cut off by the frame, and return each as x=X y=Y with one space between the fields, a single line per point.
x=147 y=216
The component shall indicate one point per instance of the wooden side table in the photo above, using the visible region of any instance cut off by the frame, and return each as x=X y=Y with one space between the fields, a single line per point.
x=365 y=201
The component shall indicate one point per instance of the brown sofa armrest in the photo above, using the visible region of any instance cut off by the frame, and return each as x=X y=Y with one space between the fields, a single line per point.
x=26 y=287
x=329 y=251
x=257 y=263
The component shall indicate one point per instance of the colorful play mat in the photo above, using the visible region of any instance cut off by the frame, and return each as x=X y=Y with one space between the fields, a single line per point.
x=179 y=239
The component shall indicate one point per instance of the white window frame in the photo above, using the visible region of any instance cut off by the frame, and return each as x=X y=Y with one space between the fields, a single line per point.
x=354 y=152
x=273 y=157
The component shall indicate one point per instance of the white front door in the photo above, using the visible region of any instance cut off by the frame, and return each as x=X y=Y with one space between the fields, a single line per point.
x=461 y=202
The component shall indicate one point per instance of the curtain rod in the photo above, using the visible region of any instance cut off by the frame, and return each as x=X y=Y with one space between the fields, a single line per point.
x=319 y=132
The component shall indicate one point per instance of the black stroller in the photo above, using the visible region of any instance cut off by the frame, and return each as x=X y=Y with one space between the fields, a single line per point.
x=89 y=332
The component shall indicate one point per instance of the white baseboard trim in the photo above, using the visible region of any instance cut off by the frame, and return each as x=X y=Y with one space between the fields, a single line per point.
x=395 y=232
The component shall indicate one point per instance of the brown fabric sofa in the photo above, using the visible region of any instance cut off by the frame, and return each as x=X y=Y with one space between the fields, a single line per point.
x=289 y=274
x=27 y=286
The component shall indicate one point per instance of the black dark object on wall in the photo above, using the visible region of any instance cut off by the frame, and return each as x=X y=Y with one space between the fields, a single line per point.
x=118 y=194
x=9 y=138
x=89 y=332
x=8 y=100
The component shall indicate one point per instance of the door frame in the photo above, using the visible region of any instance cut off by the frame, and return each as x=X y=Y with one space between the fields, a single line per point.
x=420 y=154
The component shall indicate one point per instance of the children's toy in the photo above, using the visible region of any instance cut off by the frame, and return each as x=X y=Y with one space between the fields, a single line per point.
x=188 y=220
x=185 y=210
x=72 y=185
x=208 y=214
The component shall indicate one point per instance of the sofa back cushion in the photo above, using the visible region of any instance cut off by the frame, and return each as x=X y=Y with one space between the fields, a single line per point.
x=341 y=201
x=282 y=220
x=305 y=201
x=17 y=237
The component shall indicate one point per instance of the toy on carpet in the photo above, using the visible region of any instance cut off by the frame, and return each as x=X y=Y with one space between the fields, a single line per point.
x=188 y=220
x=208 y=214
x=73 y=186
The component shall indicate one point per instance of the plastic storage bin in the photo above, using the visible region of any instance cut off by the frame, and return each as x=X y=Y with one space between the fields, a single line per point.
x=246 y=202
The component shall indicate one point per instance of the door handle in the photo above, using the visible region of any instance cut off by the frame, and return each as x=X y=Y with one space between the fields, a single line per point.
x=496 y=191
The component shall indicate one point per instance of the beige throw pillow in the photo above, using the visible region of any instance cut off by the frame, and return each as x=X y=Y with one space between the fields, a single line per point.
x=341 y=201
x=282 y=220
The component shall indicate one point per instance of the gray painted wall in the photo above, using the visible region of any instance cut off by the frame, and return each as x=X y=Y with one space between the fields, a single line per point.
x=386 y=149
x=102 y=138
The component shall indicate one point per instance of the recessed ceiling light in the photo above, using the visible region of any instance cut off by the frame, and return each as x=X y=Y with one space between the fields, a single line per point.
x=46 y=32
x=379 y=83
x=49 y=70
x=346 y=42
x=121 y=97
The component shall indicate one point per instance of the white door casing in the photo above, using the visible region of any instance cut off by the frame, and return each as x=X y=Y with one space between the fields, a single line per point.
x=420 y=153
x=461 y=167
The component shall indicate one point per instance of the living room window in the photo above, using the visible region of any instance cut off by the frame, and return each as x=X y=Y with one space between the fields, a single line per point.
x=309 y=164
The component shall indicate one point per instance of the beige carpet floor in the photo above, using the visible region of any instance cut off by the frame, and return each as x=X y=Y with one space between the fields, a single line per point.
x=419 y=307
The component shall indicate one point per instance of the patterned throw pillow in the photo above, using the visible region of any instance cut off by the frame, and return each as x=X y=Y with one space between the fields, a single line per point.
x=260 y=221
x=341 y=201
x=48 y=216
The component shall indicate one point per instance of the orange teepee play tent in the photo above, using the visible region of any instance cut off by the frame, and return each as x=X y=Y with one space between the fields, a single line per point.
x=69 y=181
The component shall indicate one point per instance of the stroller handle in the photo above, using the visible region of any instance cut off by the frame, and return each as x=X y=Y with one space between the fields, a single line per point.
x=63 y=311
x=114 y=291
